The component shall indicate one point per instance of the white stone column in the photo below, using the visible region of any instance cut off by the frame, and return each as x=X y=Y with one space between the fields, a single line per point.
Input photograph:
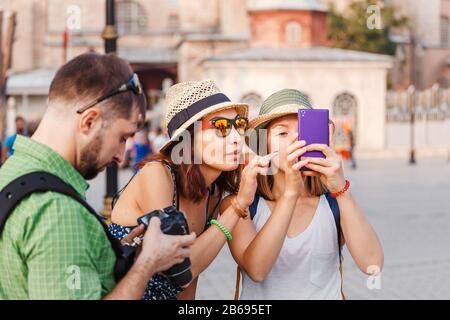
x=10 y=116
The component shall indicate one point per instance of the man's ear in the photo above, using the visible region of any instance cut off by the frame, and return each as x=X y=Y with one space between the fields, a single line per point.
x=89 y=119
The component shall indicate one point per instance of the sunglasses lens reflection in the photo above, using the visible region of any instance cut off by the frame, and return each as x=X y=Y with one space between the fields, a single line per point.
x=241 y=125
x=223 y=127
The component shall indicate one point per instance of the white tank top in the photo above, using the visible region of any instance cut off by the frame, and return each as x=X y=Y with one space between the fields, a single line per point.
x=308 y=264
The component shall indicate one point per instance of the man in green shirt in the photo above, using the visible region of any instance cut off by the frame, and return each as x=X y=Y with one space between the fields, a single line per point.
x=51 y=246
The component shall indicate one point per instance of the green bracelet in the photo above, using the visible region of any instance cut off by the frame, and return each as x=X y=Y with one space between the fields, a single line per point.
x=222 y=228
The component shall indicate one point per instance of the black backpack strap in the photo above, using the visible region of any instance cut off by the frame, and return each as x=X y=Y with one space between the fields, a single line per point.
x=24 y=186
x=254 y=206
x=337 y=219
x=33 y=182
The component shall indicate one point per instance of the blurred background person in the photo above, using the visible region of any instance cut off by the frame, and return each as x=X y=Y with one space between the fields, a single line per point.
x=351 y=143
x=7 y=148
x=142 y=146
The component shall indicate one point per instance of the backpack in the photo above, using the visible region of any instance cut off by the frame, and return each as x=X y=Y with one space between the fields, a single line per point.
x=23 y=186
x=334 y=206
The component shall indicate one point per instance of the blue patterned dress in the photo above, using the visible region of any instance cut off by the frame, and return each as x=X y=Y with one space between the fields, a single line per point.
x=159 y=287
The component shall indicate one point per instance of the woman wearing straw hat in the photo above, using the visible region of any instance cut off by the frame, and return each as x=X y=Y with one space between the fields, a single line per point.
x=289 y=249
x=195 y=167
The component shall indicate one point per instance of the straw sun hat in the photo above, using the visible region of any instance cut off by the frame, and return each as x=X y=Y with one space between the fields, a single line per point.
x=280 y=103
x=190 y=101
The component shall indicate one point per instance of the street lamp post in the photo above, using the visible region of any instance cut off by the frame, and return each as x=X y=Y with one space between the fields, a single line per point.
x=110 y=36
x=109 y=33
x=412 y=100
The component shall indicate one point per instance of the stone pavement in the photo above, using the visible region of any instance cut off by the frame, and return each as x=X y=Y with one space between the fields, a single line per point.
x=409 y=207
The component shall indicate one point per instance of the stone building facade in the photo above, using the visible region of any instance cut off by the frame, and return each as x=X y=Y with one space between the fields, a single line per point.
x=250 y=48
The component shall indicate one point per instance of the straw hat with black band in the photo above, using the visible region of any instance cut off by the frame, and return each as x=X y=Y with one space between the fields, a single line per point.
x=190 y=101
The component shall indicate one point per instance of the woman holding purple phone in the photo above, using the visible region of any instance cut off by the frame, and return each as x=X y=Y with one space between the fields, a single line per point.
x=290 y=246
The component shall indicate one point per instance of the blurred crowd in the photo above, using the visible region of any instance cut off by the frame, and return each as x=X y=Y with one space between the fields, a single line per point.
x=145 y=142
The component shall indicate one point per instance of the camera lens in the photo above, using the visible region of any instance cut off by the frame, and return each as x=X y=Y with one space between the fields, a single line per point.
x=180 y=274
x=182 y=279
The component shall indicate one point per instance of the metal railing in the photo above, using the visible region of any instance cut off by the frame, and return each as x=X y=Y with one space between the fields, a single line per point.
x=432 y=104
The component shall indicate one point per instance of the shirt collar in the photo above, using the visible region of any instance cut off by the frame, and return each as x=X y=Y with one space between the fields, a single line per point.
x=52 y=162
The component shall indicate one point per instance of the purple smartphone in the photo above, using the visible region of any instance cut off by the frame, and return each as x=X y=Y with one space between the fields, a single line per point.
x=313 y=128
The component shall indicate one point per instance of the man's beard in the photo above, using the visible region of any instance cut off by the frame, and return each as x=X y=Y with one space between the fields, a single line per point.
x=89 y=164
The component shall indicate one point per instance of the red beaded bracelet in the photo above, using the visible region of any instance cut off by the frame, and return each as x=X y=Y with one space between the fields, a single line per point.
x=337 y=194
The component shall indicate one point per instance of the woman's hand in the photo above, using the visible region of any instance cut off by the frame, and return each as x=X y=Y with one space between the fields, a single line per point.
x=293 y=177
x=161 y=251
x=329 y=169
x=137 y=232
x=248 y=184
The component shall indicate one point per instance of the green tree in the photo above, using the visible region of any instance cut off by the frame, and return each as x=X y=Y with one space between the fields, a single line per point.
x=349 y=29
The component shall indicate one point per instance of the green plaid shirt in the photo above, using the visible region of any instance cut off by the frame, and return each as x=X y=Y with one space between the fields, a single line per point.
x=51 y=246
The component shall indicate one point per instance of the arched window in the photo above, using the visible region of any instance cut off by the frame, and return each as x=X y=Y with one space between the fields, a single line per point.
x=345 y=105
x=293 y=33
x=131 y=18
x=254 y=101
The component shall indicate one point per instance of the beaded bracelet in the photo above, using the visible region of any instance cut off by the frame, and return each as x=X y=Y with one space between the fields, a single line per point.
x=337 y=194
x=222 y=228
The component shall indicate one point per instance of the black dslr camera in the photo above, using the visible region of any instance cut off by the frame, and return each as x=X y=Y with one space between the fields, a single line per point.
x=173 y=222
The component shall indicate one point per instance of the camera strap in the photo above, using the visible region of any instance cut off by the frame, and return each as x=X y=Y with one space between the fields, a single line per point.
x=24 y=186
